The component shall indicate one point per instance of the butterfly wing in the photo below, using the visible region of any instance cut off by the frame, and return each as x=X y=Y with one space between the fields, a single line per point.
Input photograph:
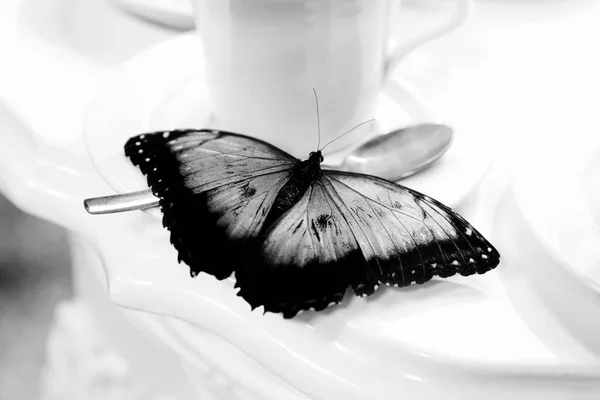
x=215 y=190
x=358 y=231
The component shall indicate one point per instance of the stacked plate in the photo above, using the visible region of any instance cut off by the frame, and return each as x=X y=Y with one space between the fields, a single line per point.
x=557 y=189
x=173 y=13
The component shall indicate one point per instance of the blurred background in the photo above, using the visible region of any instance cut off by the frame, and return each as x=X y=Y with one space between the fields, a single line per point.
x=35 y=271
x=35 y=275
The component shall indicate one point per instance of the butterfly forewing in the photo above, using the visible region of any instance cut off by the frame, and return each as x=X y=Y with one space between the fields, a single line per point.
x=227 y=159
x=215 y=189
x=240 y=208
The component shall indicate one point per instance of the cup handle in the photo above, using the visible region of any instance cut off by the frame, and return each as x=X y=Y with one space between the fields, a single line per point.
x=463 y=10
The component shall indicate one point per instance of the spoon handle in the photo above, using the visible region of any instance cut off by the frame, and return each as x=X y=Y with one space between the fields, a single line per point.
x=121 y=202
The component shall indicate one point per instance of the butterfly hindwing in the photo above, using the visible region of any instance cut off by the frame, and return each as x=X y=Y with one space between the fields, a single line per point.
x=306 y=259
x=358 y=231
x=215 y=189
x=421 y=236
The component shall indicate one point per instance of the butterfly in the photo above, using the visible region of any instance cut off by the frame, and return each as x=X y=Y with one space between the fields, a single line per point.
x=298 y=236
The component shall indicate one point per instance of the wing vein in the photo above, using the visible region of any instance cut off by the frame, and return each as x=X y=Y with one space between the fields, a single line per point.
x=443 y=230
x=204 y=170
x=433 y=235
x=374 y=201
x=242 y=179
x=312 y=239
x=184 y=140
x=459 y=232
x=395 y=216
x=215 y=153
x=398 y=252
x=350 y=228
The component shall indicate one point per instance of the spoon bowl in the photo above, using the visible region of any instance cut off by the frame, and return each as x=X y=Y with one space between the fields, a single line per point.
x=400 y=153
x=391 y=156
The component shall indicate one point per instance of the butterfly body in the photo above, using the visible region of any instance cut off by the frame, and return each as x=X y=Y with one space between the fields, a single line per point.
x=302 y=175
x=297 y=236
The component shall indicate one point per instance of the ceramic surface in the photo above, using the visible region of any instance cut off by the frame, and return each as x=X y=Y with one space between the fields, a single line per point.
x=557 y=188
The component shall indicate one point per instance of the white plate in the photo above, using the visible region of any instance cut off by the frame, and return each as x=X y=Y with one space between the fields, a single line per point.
x=163 y=88
x=557 y=188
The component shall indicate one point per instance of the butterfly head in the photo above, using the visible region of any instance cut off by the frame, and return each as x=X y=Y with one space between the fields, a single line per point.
x=315 y=157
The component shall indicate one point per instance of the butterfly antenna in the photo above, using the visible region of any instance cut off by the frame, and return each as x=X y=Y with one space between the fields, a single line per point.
x=318 y=119
x=344 y=134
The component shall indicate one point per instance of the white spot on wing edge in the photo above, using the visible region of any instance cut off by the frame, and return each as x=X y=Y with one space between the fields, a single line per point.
x=166 y=134
x=469 y=232
x=455 y=262
x=489 y=249
x=484 y=256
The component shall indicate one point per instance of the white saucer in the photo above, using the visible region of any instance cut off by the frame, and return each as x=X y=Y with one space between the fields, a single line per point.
x=591 y=187
x=163 y=88
x=555 y=188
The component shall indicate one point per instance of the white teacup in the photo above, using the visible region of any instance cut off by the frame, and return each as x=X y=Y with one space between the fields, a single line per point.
x=264 y=57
